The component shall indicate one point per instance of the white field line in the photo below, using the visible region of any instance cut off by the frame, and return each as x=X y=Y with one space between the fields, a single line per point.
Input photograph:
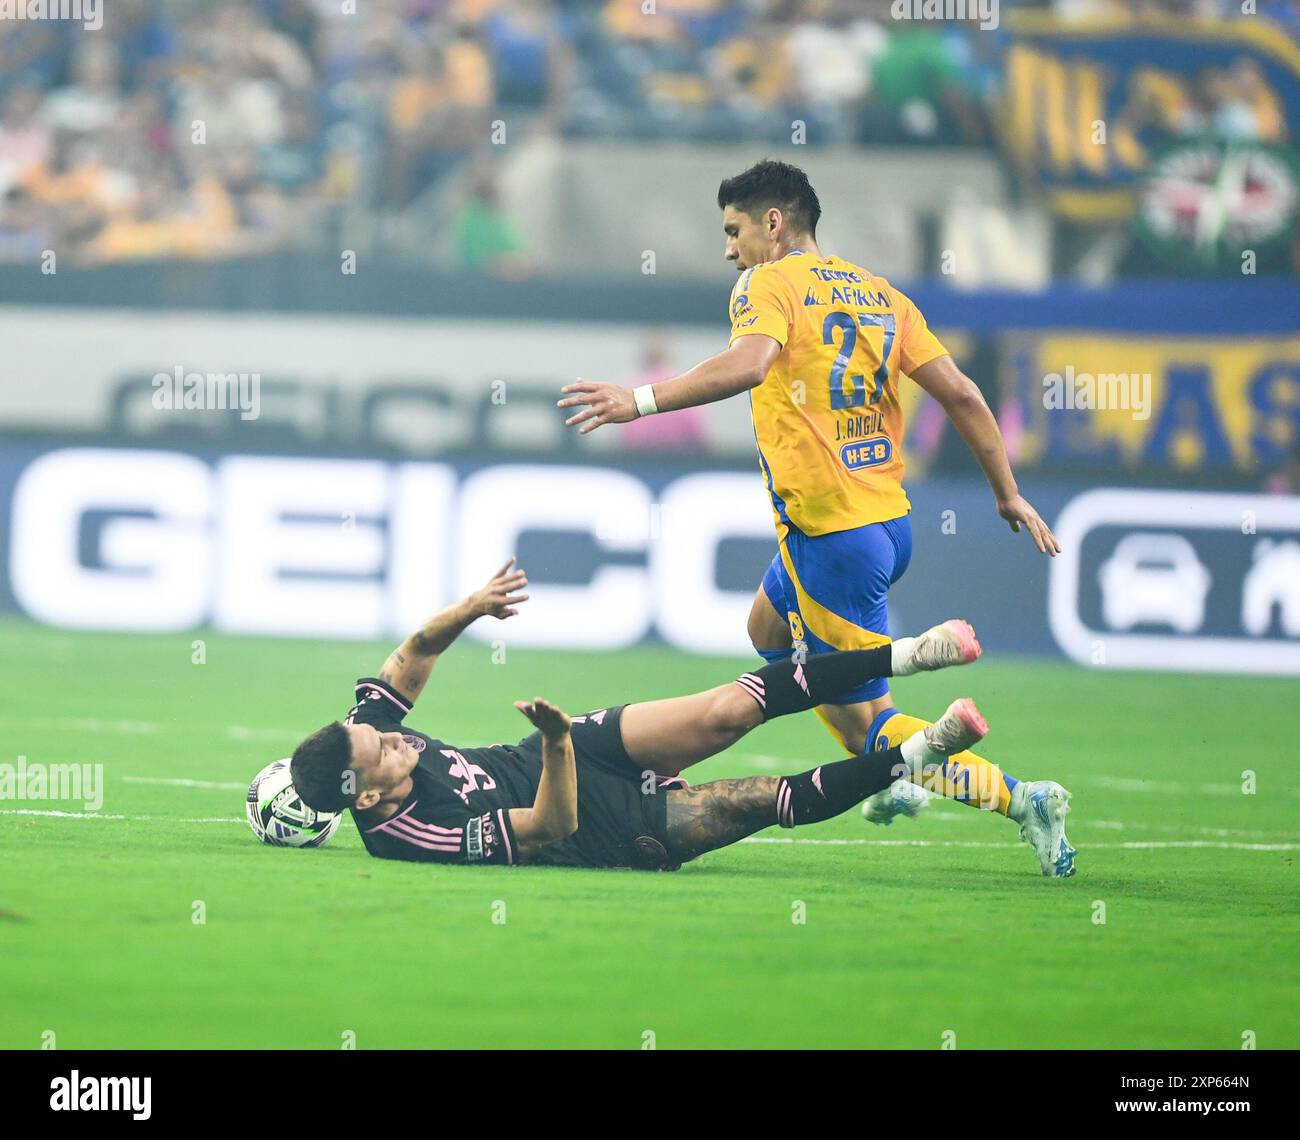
x=1111 y=783
x=141 y=728
x=1132 y=845
x=1167 y=787
x=85 y=724
x=263 y=735
x=1151 y=845
x=945 y=814
x=80 y=815
x=960 y=814
x=1167 y=828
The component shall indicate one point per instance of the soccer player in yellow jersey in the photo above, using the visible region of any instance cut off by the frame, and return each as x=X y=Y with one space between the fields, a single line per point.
x=821 y=345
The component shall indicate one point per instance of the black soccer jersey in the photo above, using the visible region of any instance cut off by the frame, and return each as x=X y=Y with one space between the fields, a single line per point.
x=458 y=807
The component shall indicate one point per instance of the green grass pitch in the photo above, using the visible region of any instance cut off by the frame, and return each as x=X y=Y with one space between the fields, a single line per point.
x=927 y=927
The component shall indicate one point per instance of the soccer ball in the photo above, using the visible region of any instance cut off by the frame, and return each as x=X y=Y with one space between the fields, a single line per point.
x=278 y=817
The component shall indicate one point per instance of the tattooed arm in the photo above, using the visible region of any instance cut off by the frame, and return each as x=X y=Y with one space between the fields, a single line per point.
x=719 y=813
x=409 y=665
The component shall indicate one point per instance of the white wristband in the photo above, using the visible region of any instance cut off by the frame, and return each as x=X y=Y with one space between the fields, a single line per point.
x=645 y=400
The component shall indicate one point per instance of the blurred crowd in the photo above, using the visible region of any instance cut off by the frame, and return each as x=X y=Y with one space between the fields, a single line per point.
x=188 y=128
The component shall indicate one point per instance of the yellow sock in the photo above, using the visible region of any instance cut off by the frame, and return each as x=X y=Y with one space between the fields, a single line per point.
x=965 y=777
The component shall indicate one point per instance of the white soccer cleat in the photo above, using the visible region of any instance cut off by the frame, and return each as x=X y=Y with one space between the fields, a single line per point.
x=958 y=728
x=1040 y=807
x=951 y=643
x=902 y=797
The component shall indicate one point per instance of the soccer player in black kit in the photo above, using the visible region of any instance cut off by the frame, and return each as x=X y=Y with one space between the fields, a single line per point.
x=604 y=789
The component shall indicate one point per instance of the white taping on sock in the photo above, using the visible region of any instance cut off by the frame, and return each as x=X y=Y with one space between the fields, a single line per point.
x=918 y=755
x=900 y=656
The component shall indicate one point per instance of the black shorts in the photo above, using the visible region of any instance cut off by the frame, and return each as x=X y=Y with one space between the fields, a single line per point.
x=622 y=809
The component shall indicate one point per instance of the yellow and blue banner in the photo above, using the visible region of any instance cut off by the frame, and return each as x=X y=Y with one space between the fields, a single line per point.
x=1087 y=107
x=1156 y=402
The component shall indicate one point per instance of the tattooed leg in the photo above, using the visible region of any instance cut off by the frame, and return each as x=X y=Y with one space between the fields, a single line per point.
x=713 y=815
x=719 y=813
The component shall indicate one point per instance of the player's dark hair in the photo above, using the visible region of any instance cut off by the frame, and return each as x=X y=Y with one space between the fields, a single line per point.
x=771 y=183
x=317 y=769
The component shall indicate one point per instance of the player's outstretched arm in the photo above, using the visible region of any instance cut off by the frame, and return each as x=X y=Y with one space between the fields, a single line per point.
x=961 y=398
x=737 y=369
x=409 y=665
x=554 y=814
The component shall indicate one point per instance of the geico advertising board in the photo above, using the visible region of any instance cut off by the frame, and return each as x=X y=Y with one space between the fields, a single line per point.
x=162 y=540
x=157 y=540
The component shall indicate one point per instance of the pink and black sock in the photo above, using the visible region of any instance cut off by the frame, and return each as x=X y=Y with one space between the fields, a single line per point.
x=825 y=792
x=786 y=687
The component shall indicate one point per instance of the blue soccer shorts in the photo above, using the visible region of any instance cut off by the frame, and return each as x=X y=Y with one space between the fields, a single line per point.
x=833 y=589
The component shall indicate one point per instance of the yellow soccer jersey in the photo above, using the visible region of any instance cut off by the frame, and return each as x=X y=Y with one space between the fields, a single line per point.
x=827 y=418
